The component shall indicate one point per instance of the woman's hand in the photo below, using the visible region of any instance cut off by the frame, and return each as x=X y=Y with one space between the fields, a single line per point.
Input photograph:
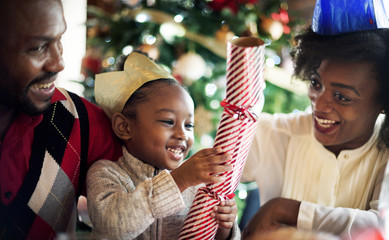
x=273 y=214
x=225 y=215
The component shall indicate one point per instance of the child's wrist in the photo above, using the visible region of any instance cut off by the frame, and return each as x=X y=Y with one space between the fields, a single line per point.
x=178 y=180
x=223 y=233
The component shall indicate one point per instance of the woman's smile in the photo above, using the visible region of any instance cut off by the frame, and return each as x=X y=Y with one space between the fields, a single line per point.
x=324 y=125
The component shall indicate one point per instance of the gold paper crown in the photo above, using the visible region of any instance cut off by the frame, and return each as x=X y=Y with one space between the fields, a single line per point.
x=113 y=89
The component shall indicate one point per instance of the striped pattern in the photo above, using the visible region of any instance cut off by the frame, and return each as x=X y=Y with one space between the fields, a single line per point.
x=245 y=85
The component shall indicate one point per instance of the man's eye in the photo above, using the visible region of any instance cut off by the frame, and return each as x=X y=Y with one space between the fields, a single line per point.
x=37 y=49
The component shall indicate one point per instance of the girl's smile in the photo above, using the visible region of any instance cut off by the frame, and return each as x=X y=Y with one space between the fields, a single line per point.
x=176 y=152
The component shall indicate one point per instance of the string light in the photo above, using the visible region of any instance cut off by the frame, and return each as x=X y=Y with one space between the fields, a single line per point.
x=242 y=194
x=170 y=30
x=214 y=104
x=210 y=89
x=178 y=18
x=142 y=18
x=127 y=50
x=150 y=39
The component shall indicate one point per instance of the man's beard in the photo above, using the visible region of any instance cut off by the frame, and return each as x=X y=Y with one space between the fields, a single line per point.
x=14 y=97
x=26 y=106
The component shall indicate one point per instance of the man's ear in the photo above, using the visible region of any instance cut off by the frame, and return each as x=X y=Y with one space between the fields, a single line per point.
x=120 y=126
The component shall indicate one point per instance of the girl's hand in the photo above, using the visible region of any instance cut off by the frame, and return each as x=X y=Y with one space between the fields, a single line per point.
x=203 y=167
x=225 y=215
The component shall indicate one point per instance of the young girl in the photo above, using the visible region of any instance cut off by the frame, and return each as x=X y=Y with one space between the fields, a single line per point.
x=147 y=193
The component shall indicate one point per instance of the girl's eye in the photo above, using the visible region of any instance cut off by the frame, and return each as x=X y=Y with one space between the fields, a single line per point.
x=168 y=122
x=189 y=126
x=340 y=97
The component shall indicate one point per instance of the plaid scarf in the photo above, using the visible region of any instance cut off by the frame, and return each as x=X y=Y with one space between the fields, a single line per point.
x=46 y=203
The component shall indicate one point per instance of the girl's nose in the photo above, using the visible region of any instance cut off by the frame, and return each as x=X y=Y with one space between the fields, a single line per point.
x=180 y=134
x=183 y=137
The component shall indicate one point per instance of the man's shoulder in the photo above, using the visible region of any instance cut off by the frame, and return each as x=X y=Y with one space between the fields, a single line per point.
x=68 y=97
x=62 y=94
x=58 y=95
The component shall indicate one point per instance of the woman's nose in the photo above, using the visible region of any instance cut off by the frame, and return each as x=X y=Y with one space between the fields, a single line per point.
x=321 y=102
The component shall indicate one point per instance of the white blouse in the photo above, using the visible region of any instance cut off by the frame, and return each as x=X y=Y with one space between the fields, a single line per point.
x=286 y=160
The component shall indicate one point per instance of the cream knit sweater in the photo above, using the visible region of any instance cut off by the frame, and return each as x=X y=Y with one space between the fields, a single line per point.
x=130 y=199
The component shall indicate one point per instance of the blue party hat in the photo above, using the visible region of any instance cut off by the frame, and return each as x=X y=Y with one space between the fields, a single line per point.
x=332 y=17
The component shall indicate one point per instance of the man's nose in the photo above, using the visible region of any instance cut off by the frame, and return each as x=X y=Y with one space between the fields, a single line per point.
x=55 y=62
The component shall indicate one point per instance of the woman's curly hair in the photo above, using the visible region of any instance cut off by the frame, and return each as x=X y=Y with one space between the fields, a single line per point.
x=363 y=46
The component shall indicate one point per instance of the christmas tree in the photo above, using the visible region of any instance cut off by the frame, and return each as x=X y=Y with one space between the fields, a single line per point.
x=189 y=38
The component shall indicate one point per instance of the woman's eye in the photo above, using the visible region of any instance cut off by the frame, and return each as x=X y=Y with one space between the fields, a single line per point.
x=314 y=83
x=341 y=97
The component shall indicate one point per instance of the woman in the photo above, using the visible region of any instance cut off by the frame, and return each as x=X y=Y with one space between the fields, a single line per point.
x=323 y=170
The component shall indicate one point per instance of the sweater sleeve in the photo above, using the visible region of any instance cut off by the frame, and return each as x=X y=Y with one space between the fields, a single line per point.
x=119 y=213
x=340 y=221
x=235 y=232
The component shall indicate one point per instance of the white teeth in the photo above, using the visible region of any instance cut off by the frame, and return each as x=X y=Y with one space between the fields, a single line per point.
x=325 y=123
x=43 y=86
x=175 y=150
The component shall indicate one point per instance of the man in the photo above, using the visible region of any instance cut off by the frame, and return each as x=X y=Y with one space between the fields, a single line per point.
x=48 y=136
